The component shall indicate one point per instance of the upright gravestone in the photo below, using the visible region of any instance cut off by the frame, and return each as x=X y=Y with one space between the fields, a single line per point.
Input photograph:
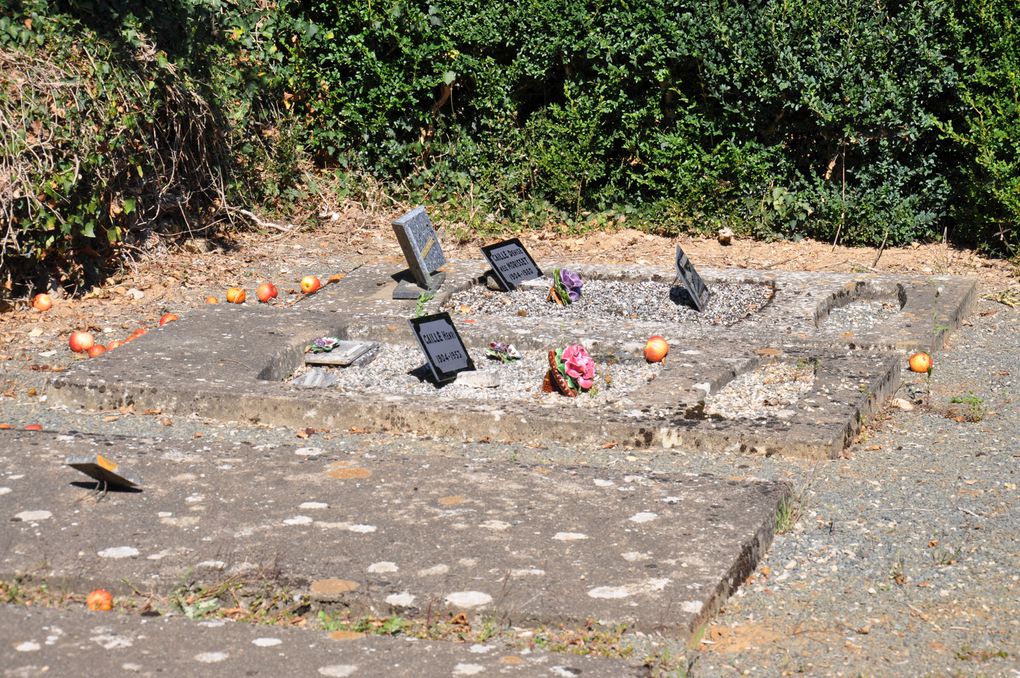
x=441 y=343
x=423 y=253
x=696 y=287
x=511 y=263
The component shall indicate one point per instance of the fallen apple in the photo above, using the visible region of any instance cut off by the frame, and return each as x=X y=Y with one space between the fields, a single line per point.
x=310 y=283
x=920 y=362
x=99 y=600
x=266 y=291
x=5 y=427
x=656 y=349
x=81 y=341
x=96 y=351
x=33 y=427
x=116 y=343
x=42 y=302
x=138 y=332
x=211 y=300
x=235 y=295
x=168 y=318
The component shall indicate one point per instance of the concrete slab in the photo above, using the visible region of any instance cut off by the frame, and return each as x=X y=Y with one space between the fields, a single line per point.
x=397 y=535
x=61 y=642
x=231 y=364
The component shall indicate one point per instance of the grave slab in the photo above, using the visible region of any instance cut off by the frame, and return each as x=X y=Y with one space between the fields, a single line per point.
x=524 y=545
x=65 y=642
x=232 y=364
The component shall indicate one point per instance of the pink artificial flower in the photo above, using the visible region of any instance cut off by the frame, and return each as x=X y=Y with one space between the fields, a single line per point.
x=579 y=366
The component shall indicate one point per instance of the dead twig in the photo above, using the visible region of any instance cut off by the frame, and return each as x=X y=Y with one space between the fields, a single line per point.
x=258 y=221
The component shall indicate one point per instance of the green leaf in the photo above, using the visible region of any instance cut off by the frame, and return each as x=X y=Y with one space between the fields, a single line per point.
x=449 y=77
x=129 y=205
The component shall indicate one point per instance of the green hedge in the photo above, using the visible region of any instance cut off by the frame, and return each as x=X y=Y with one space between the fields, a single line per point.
x=874 y=121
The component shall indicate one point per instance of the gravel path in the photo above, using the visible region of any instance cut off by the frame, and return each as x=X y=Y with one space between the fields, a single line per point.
x=904 y=558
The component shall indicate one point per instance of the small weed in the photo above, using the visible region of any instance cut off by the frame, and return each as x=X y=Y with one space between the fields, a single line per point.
x=423 y=299
x=946 y=557
x=787 y=514
x=969 y=654
x=896 y=573
x=974 y=408
x=374 y=626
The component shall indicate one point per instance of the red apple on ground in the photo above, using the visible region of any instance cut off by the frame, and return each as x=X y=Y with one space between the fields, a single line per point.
x=235 y=295
x=99 y=600
x=168 y=318
x=34 y=427
x=266 y=291
x=921 y=362
x=42 y=302
x=81 y=341
x=96 y=351
x=656 y=349
x=310 y=283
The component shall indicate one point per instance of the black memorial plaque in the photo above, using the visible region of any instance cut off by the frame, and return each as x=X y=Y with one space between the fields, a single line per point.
x=511 y=263
x=695 y=285
x=421 y=247
x=441 y=343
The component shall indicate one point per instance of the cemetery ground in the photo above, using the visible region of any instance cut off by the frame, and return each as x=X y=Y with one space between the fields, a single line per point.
x=898 y=557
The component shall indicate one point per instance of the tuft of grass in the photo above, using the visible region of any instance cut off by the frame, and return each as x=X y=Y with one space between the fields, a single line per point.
x=787 y=514
x=974 y=407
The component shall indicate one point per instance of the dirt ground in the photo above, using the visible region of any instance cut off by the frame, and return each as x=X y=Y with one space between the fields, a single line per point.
x=166 y=277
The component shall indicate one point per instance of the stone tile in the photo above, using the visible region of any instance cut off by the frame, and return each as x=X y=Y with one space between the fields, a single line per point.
x=394 y=535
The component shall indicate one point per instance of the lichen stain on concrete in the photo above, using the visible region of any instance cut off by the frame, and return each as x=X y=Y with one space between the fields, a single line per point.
x=346 y=635
x=350 y=473
x=332 y=586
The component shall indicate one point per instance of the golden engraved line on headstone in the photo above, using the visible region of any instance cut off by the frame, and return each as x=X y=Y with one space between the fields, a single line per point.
x=427 y=247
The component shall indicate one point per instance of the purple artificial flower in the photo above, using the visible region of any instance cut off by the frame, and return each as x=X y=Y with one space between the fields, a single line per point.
x=571 y=281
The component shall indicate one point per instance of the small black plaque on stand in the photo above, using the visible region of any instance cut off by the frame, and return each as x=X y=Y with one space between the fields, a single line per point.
x=424 y=254
x=441 y=343
x=511 y=263
x=696 y=287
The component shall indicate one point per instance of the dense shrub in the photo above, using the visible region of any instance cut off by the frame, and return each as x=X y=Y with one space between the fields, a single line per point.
x=807 y=117
x=117 y=117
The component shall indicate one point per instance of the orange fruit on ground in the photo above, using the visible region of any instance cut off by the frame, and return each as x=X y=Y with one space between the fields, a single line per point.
x=34 y=427
x=116 y=343
x=138 y=332
x=211 y=300
x=266 y=291
x=99 y=600
x=656 y=349
x=235 y=295
x=310 y=284
x=168 y=318
x=920 y=362
x=81 y=341
x=4 y=427
x=96 y=351
x=42 y=302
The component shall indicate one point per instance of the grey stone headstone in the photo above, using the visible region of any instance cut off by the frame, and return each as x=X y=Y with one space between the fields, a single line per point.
x=421 y=247
x=345 y=353
x=696 y=287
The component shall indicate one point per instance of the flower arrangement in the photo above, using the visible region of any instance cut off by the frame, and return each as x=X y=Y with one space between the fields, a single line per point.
x=322 y=345
x=566 y=287
x=505 y=353
x=571 y=370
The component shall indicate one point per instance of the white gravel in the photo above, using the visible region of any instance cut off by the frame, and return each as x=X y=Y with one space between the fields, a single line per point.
x=610 y=300
x=401 y=370
x=769 y=391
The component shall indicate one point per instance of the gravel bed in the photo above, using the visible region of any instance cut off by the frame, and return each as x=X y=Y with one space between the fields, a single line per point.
x=863 y=314
x=401 y=370
x=646 y=300
x=768 y=391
